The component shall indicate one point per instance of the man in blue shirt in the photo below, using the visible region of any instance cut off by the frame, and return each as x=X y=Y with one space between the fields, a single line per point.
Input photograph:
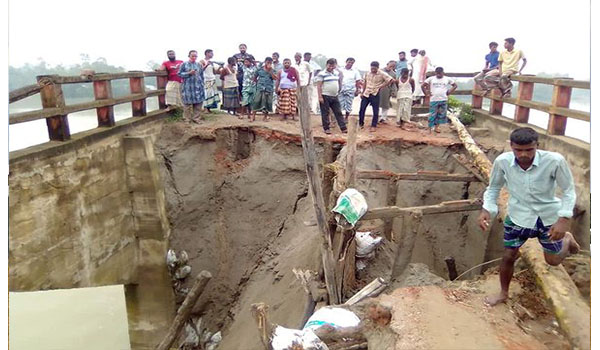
x=491 y=66
x=531 y=176
x=401 y=63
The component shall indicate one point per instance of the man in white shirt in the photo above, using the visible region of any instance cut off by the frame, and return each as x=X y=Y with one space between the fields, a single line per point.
x=350 y=86
x=437 y=87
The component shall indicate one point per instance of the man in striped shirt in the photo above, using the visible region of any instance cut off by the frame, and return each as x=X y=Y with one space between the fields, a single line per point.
x=329 y=84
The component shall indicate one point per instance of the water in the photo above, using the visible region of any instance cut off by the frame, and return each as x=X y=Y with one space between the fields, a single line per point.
x=27 y=134
x=65 y=319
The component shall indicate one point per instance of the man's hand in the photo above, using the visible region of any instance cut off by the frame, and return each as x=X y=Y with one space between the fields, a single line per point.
x=193 y=72
x=321 y=100
x=558 y=230
x=484 y=220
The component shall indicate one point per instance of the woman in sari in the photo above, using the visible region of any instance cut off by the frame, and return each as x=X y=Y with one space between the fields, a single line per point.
x=285 y=86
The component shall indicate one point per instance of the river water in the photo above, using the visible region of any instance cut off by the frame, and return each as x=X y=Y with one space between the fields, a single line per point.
x=69 y=319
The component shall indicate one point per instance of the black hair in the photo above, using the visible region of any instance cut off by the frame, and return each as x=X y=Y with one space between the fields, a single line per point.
x=307 y=54
x=493 y=43
x=439 y=70
x=402 y=52
x=375 y=64
x=404 y=71
x=268 y=59
x=414 y=50
x=523 y=136
x=332 y=61
x=275 y=53
x=207 y=51
x=247 y=59
x=190 y=53
x=170 y=51
x=510 y=40
x=231 y=60
x=287 y=59
x=246 y=46
x=350 y=59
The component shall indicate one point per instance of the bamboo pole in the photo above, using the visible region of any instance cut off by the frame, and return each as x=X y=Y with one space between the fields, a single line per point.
x=410 y=229
x=183 y=314
x=314 y=182
x=351 y=152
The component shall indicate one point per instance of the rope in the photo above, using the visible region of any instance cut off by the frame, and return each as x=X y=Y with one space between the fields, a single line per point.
x=476 y=266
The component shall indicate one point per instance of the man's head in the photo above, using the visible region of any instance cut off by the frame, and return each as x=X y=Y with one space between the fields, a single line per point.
x=243 y=48
x=349 y=62
x=231 y=60
x=413 y=52
x=208 y=53
x=422 y=53
x=374 y=66
x=331 y=64
x=439 y=72
x=247 y=62
x=307 y=56
x=524 y=143
x=171 y=55
x=493 y=46
x=287 y=63
x=402 y=55
x=298 y=57
x=193 y=55
x=275 y=56
x=404 y=72
x=391 y=65
x=509 y=43
x=268 y=62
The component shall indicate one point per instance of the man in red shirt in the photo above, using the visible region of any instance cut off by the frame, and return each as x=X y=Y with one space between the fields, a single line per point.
x=173 y=95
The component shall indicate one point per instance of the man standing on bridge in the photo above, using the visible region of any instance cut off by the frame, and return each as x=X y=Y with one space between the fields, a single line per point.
x=531 y=176
x=437 y=87
x=374 y=81
x=192 y=90
x=173 y=95
x=329 y=84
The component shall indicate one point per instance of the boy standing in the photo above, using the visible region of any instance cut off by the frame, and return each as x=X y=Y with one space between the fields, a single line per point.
x=263 y=99
x=437 y=87
x=248 y=86
x=406 y=87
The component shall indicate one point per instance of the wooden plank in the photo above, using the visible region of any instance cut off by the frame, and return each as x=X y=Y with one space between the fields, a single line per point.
x=314 y=182
x=532 y=79
x=23 y=92
x=571 y=310
x=461 y=92
x=577 y=84
x=418 y=176
x=444 y=207
x=106 y=114
x=411 y=223
x=391 y=196
x=350 y=168
x=461 y=159
x=183 y=314
x=75 y=79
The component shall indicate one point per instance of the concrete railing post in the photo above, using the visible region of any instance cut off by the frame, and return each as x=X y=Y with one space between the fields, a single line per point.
x=136 y=85
x=52 y=97
x=496 y=104
x=102 y=91
x=161 y=83
x=476 y=100
x=525 y=93
x=561 y=97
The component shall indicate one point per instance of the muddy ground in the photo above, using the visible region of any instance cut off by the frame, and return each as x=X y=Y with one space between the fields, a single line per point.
x=238 y=203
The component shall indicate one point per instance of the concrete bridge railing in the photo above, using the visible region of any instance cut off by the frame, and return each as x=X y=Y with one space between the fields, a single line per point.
x=56 y=111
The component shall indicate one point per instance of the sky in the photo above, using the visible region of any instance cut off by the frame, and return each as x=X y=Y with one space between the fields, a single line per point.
x=554 y=35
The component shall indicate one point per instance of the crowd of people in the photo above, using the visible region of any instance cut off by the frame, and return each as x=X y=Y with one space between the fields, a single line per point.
x=270 y=86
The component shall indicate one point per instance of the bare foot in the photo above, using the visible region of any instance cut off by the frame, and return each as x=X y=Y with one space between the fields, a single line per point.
x=372 y=129
x=574 y=247
x=493 y=300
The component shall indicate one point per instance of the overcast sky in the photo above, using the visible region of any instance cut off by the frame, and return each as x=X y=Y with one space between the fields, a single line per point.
x=554 y=35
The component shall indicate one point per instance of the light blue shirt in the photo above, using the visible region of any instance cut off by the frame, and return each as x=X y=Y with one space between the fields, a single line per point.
x=532 y=191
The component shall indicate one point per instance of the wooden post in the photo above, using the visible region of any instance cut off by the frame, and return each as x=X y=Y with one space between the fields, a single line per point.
x=52 y=96
x=314 y=183
x=561 y=97
x=476 y=100
x=183 y=314
x=525 y=94
x=496 y=105
x=161 y=83
x=136 y=86
x=392 y=194
x=451 y=264
x=411 y=224
x=351 y=151
x=106 y=115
